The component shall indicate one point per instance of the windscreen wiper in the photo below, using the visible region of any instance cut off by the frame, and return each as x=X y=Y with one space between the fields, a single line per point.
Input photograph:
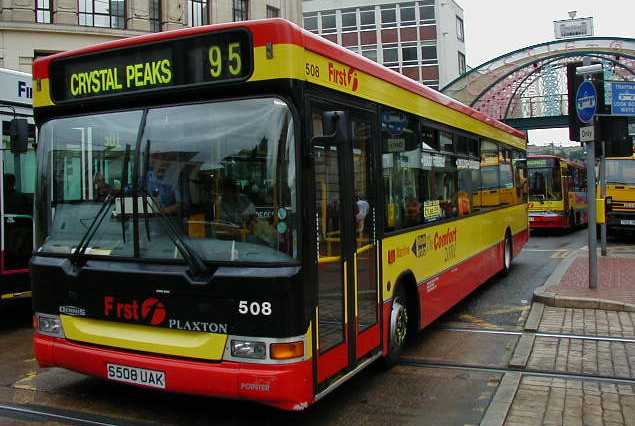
x=80 y=250
x=124 y=183
x=190 y=255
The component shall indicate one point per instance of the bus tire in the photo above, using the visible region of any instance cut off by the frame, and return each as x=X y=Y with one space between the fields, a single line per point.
x=508 y=253
x=399 y=327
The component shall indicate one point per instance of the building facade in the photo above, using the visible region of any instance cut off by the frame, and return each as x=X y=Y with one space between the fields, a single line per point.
x=424 y=39
x=32 y=28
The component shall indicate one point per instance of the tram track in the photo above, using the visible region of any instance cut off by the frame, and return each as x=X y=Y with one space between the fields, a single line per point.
x=538 y=334
x=412 y=362
x=70 y=417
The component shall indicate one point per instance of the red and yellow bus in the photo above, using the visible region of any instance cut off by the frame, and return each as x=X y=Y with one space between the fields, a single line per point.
x=249 y=211
x=557 y=192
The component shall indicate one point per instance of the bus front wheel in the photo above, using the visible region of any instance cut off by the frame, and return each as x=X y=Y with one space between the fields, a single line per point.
x=398 y=327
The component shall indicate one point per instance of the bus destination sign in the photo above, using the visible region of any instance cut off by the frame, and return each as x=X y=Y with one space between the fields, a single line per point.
x=197 y=60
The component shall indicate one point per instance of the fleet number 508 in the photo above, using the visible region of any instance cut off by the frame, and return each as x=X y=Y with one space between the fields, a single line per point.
x=254 y=308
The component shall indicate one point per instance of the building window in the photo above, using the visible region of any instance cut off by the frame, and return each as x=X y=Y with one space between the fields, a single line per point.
x=428 y=54
x=462 y=66
x=409 y=54
x=407 y=14
x=43 y=11
x=349 y=19
x=328 y=22
x=388 y=16
x=460 y=34
x=370 y=52
x=367 y=18
x=273 y=12
x=155 y=15
x=391 y=54
x=426 y=13
x=100 y=13
x=197 y=13
x=311 y=22
x=241 y=10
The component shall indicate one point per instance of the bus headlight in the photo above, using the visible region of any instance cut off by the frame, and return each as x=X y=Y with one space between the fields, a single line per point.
x=51 y=325
x=248 y=349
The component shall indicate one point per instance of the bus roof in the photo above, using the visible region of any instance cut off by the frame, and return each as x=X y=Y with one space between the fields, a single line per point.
x=280 y=31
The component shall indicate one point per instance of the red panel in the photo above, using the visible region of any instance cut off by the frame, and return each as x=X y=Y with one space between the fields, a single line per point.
x=386 y=325
x=441 y=293
x=430 y=73
x=408 y=34
x=544 y=222
x=519 y=241
x=411 y=72
x=428 y=32
x=288 y=386
x=389 y=36
x=332 y=362
x=349 y=39
x=281 y=31
x=367 y=340
x=368 y=37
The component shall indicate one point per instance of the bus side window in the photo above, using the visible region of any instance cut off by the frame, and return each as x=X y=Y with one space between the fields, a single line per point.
x=490 y=195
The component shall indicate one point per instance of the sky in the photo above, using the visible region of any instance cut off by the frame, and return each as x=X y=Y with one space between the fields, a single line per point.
x=495 y=27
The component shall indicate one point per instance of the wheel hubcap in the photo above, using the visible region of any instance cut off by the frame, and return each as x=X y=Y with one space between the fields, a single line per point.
x=507 y=254
x=401 y=326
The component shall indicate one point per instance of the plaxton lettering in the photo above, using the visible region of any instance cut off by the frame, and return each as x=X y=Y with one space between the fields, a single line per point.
x=206 y=327
x=110 y=79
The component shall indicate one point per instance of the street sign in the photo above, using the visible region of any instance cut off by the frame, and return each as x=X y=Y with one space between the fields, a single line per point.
x=569 y=28
x=623 y=98
x=587 y=134
x=586 y=101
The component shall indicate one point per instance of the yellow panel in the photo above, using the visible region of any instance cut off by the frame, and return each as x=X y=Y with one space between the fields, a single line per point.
x=41 y=93
x=145 y=338
x=432 y=250
x=292 y=61
x=553 y=206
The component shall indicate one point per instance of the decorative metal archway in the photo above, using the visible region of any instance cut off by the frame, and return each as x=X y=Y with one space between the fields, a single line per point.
x=528 y=87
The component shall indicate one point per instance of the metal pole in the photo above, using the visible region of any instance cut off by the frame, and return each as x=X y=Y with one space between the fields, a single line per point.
x=603 y=196
x=592 y=237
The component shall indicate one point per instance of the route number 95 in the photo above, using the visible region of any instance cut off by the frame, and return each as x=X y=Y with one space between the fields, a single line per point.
x=233 y=62
x=254 y=308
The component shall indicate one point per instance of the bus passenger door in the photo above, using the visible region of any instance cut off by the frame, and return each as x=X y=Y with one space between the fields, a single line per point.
x=347 y=312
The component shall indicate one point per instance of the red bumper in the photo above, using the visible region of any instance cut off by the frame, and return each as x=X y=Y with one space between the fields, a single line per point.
x=285 y=386
x=536 y=222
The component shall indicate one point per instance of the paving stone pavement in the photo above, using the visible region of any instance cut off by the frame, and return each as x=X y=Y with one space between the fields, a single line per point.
x=555 y=401
x=587 y=322
x=577 y=356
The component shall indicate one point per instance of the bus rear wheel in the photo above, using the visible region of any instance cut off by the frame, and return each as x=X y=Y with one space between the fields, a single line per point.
x=508 y=254
x=399 y=327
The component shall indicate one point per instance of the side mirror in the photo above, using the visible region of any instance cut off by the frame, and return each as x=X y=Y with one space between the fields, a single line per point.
x=19 y=132
x=335 y=128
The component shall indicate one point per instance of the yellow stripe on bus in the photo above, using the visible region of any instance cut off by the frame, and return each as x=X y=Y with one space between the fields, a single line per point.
x=291 y=61
x=41 y=93
x=145 y=338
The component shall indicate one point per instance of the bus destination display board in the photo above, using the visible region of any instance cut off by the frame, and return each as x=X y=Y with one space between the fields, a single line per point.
x=206 y=59
x=540 y=163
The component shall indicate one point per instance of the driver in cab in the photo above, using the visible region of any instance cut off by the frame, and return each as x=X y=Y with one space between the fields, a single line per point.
x=235 y=208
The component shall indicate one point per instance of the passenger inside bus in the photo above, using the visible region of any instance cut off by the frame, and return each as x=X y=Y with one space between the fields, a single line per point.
x=161 y=188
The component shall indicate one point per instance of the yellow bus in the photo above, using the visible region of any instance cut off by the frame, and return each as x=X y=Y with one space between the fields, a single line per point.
x=557 y=193
x=249 y=211
x=620 y=187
